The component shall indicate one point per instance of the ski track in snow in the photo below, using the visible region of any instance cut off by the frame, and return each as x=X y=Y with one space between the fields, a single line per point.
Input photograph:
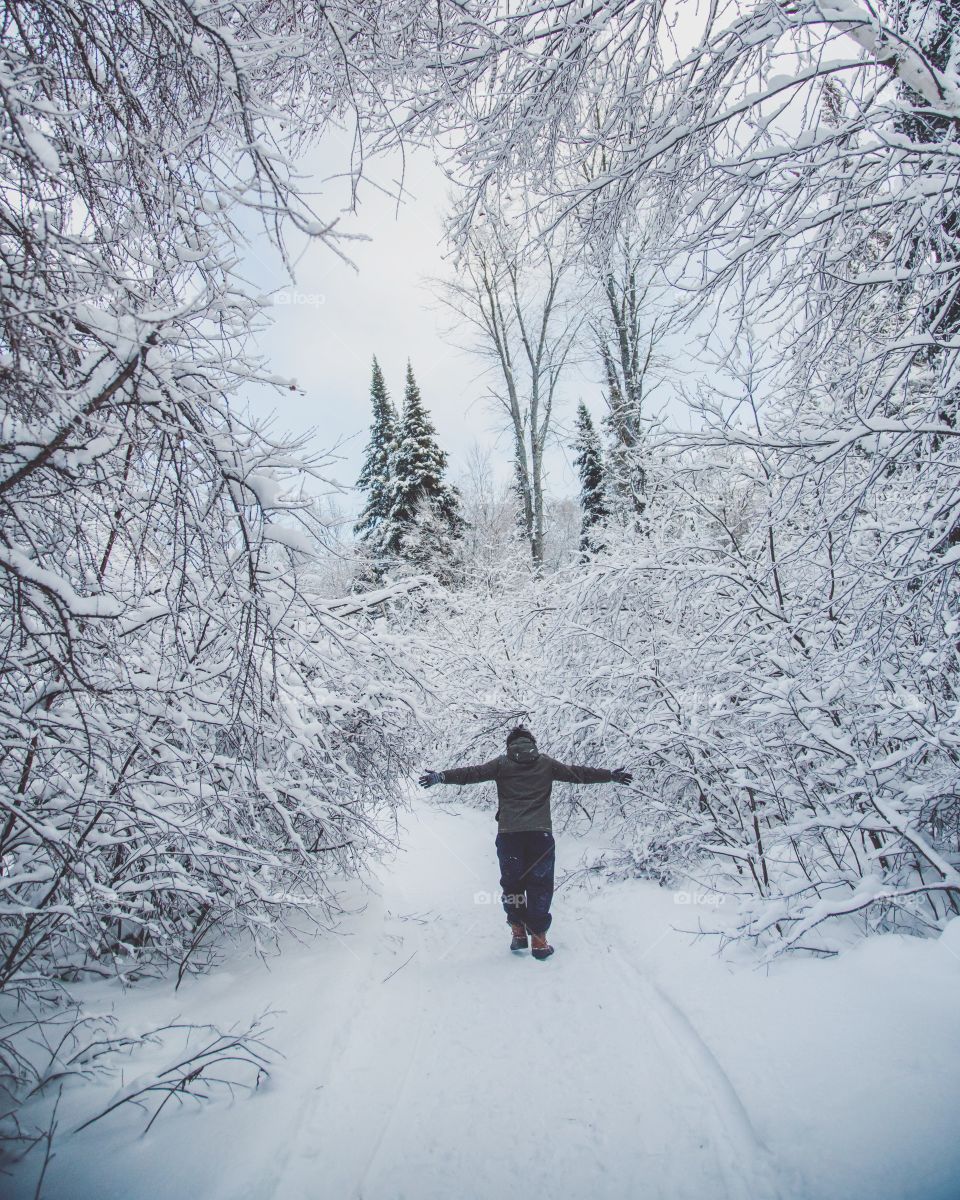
x=747 y=1166
x=472 y=1072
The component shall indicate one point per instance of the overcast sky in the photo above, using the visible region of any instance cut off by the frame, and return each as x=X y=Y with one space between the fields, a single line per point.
x=327 y=327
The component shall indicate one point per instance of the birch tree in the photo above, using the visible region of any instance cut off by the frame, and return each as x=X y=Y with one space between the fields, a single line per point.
x=628 y=320
x=527 y=329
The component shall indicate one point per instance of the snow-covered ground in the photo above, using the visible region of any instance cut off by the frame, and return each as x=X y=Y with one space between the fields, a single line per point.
x=422 y=1060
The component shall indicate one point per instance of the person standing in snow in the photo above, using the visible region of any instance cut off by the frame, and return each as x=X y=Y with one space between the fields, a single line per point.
x=525 y=845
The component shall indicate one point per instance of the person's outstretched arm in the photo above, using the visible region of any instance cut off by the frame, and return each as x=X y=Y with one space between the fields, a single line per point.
x=483 y=773
x=564 y=773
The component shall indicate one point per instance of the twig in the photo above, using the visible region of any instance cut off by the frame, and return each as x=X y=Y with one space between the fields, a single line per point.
x=400 y=968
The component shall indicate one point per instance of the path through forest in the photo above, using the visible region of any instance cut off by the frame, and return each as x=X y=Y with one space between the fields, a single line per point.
x=468 y=1071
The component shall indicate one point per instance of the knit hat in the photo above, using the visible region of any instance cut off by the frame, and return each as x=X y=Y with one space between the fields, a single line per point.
x=520 y=732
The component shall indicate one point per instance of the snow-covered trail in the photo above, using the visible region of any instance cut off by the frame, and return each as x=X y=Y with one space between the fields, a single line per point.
x=467 y=1071
x=421 y=1059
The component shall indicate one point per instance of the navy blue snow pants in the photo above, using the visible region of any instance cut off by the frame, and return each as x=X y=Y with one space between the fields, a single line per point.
x=526 y=876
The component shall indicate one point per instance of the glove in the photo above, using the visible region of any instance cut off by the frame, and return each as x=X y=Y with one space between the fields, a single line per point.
x=430 y=778
x=621 y=775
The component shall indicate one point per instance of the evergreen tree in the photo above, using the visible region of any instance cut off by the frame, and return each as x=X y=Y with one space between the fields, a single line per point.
x=425 y=522
x=589 y=463
x=376 y=476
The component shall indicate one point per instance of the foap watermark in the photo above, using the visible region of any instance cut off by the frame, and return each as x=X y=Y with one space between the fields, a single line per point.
x=489 y=898
x=710 y=899
x=303 y=299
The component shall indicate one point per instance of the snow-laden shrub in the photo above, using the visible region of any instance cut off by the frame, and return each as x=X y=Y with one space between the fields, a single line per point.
x=190 y=742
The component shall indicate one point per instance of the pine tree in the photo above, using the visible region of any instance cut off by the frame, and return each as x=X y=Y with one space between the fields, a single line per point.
x=589 y=463
x=424 y=522
x=376 y=476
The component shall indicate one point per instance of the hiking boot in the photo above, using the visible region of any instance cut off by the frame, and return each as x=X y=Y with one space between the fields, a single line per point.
x=519 y=941
x=541 y=948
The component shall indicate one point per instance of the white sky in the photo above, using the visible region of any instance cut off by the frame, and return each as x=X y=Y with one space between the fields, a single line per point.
x=328 y=326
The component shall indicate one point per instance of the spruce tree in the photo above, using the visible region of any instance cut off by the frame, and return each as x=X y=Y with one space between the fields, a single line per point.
x=589 y=463
x=425 y=522
x=376 y=476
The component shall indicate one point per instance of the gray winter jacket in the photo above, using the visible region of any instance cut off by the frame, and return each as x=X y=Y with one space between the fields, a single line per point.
x=524 y=787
